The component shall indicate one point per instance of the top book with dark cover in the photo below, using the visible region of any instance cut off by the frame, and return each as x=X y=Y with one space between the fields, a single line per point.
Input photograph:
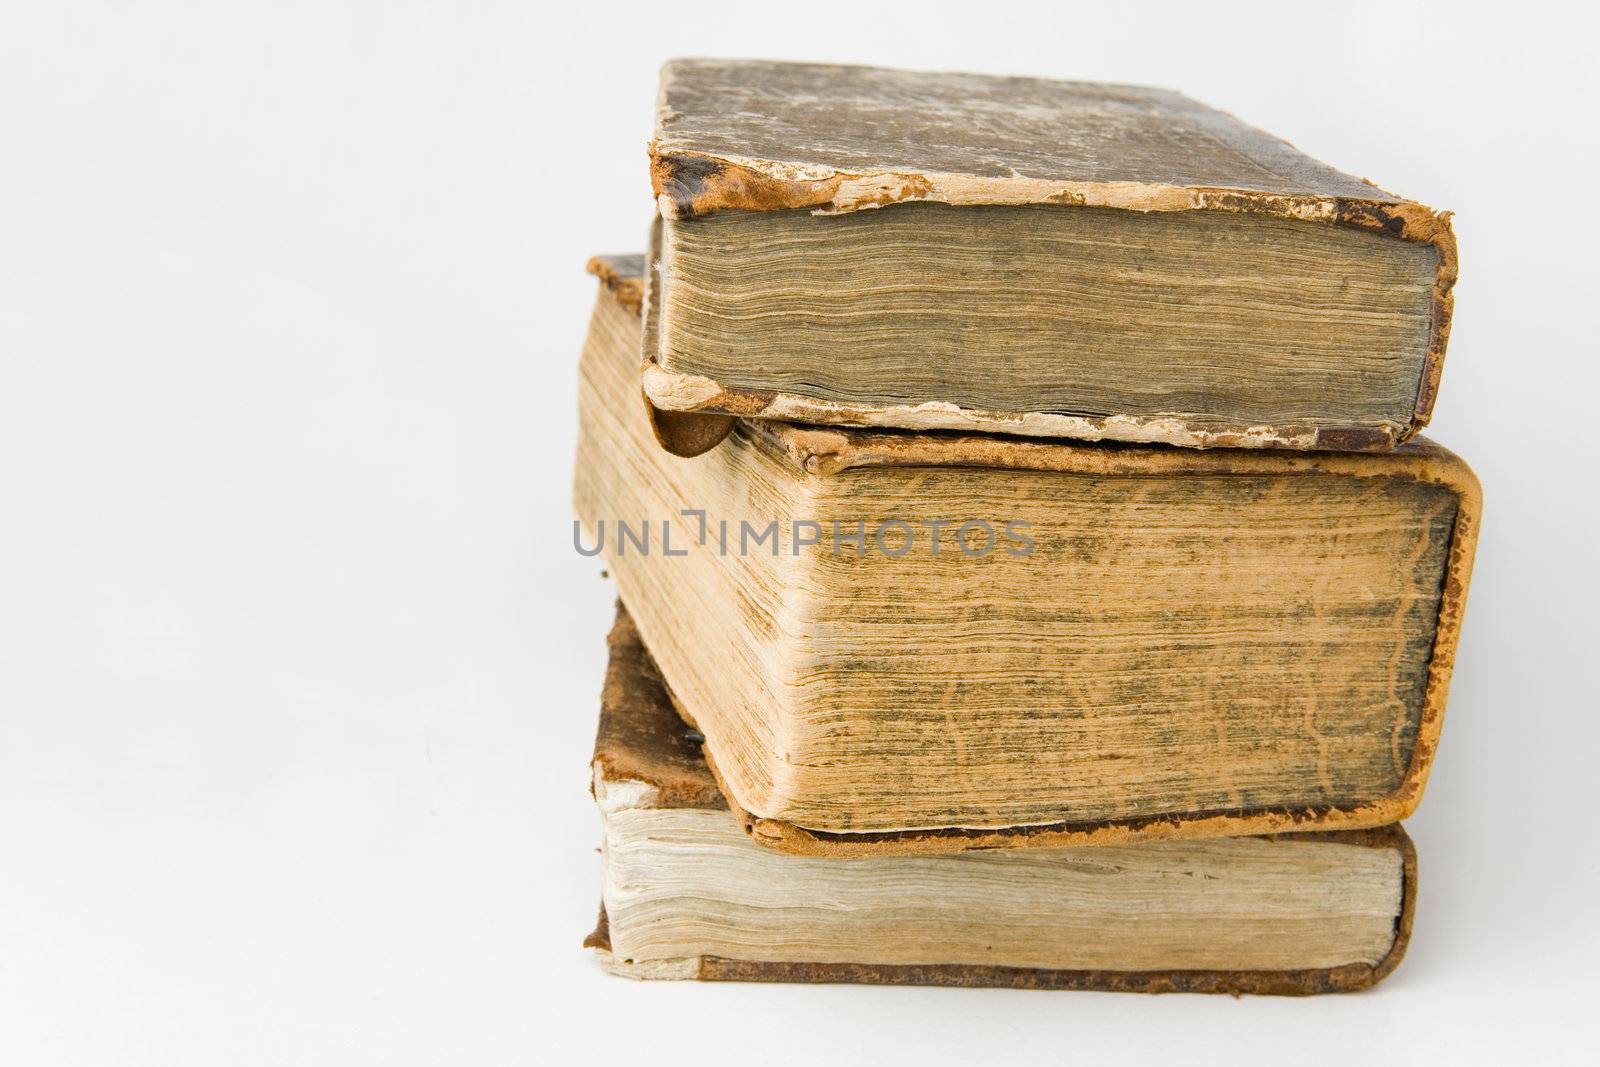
x=1055 y=259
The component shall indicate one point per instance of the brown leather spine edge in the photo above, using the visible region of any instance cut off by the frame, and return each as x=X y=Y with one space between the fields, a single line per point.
x=623 y=277
x=600 y=936
x=1347 y=978
x=639 y=737
x=681 y=433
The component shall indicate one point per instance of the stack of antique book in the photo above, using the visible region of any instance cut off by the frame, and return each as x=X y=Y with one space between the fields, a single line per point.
x=1029 y=572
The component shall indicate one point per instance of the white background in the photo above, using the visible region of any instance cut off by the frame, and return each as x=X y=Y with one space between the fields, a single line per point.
x=298 y=669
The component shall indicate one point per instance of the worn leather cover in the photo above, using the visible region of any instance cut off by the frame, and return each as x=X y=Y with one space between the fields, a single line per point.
x=641 y=739
x=756 y=135
x=623 y=276
x=749 y=135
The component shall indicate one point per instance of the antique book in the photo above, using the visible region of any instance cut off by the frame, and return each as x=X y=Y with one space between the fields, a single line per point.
x=687 y=895
x=1044 y=258
x=935 y=642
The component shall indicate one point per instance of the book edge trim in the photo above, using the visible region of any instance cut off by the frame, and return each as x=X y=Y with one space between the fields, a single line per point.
x=692 y=394
x=690 y=184
x=690 y=413
x=1345 y=978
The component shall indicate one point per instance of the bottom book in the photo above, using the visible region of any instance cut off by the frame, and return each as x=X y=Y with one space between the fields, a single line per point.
x=687 y=894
